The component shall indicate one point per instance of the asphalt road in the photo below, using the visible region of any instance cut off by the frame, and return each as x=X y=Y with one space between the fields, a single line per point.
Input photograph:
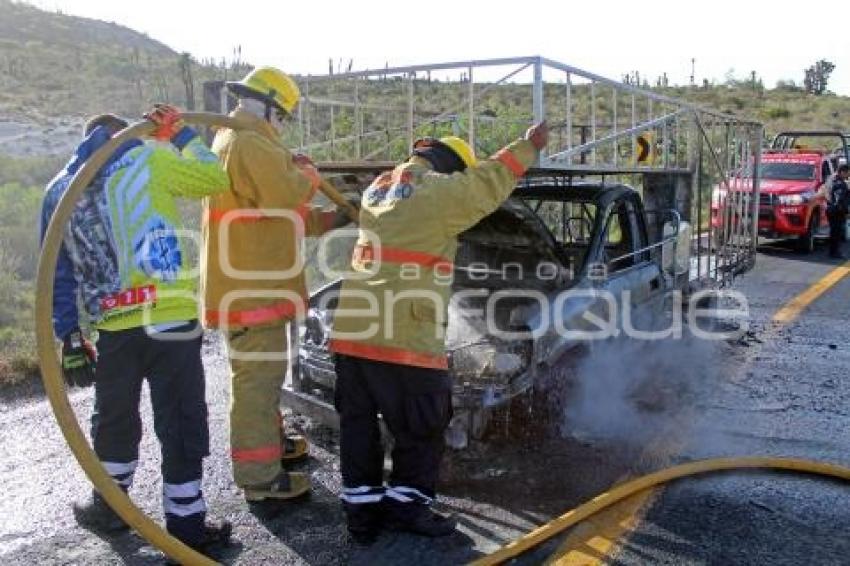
x=618 y=412
x=790 y=397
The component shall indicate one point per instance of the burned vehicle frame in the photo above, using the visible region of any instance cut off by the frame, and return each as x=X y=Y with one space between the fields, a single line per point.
x=509 y=318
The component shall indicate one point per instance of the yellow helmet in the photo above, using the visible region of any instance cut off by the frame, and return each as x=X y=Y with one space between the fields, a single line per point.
x=462 y=149
x=269 y=85
x=455 y=144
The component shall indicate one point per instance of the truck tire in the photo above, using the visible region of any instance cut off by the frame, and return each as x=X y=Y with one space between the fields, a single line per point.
x=806 y=242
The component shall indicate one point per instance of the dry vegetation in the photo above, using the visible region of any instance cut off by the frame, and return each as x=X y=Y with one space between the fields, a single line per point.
x=57 y=65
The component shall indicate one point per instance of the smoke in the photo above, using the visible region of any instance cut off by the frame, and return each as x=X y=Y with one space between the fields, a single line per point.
x=467 y=325
x=629 y=390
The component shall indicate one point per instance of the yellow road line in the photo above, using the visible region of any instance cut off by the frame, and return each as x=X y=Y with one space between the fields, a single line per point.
x=590 y=543
x=795 y=306
x=593 y=540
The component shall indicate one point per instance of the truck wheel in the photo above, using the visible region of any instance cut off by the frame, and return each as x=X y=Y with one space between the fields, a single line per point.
x=806 y=242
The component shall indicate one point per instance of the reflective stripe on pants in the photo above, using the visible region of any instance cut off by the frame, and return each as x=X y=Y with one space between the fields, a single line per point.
x=175 y=376
x=416 y=406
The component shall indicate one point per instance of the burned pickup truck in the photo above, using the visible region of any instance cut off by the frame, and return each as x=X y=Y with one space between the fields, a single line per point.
x=529 y=280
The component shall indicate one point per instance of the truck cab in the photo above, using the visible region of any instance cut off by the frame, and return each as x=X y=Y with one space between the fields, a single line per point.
x=554 y=251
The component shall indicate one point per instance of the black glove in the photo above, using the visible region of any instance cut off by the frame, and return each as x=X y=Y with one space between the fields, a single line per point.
x=79 y=358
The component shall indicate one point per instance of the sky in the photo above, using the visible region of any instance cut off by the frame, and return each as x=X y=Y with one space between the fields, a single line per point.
x=776 y=39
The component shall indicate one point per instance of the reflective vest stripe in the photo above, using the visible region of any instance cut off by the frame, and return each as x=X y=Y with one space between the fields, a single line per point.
x=261 y=454
x=397 y=255
x=389 y=354
x=510 y=161
x=282 y=310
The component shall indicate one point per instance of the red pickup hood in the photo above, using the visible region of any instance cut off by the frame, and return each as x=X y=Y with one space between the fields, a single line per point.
x=774 y=186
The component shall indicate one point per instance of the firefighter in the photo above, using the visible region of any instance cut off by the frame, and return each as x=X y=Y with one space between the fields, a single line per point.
x=837 y=206
x=121 y=255
x=389 y=326
x=253 y=283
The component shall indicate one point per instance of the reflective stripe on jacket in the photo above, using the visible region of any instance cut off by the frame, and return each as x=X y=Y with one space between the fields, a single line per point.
x=396 y=309
x=249 y=274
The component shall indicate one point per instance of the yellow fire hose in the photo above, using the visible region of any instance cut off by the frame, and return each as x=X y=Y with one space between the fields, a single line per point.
x=50 y=369
x=582 y=512
x=339 y=200
x=55 y=387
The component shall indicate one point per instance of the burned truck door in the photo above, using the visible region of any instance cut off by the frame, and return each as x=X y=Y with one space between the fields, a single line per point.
x=632 y=276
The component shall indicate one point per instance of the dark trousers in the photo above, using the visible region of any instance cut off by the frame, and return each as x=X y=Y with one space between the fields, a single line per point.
x=837 y=223
x=416 y=406
x=176 y=381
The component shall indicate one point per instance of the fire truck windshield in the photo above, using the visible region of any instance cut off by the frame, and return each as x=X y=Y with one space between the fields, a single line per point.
x=785 y=170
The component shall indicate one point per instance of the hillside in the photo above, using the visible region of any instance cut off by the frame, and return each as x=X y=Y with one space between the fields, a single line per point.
x=778 y=109
x=57 y=65
x=56 y=69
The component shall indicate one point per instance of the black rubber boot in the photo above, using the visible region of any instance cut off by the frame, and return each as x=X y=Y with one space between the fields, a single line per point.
x=96 y=515
x=214 y=539
x=363 y=521
x=216 y=534
x=417 y=518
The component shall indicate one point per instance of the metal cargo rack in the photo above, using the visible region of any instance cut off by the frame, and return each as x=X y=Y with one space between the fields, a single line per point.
x=366 y=121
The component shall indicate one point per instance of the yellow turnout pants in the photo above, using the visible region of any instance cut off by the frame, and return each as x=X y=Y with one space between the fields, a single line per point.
x=258 y=363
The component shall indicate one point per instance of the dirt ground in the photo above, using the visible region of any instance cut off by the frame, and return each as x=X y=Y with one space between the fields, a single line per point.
x=525 y=472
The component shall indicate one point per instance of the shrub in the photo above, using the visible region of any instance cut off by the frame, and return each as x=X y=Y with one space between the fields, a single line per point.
x=29 y=171
x=18 y=358
x=20 y=212
x=777 y=112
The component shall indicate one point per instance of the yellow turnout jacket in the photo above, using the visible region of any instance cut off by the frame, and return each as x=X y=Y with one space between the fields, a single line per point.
x=393 y=307
x=250 y=265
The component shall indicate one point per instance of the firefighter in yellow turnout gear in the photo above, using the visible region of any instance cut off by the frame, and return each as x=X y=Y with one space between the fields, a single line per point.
x=389 y=327
x=252 y=280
